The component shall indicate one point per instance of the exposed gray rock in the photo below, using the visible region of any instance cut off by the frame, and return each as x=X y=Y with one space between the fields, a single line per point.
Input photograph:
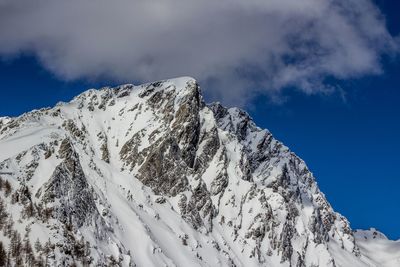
x=164 y=169
x=199 y=211
x=68 y=186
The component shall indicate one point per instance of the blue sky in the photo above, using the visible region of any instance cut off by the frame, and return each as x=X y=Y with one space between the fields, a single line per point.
x=348 y=138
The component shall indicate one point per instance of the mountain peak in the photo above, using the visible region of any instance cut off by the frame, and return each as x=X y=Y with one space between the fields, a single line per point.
x=199 y=185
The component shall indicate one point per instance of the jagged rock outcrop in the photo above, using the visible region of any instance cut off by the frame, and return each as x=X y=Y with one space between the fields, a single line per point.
x=69 y=187
x=164 y=169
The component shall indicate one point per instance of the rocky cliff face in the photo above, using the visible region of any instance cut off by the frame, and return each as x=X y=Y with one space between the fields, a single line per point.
x=150 y=175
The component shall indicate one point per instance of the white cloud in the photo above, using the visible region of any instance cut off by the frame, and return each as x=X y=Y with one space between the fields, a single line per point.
x=238 y=48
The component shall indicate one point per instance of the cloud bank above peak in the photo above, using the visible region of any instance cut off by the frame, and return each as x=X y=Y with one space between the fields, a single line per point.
x=237 y=48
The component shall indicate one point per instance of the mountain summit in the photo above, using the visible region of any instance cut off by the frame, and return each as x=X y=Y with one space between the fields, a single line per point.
x=151 y=175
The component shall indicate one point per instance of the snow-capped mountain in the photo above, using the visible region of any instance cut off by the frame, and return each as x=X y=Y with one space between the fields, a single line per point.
x=150 y=175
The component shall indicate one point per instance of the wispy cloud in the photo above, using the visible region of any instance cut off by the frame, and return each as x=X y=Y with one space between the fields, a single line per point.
x=237 y=48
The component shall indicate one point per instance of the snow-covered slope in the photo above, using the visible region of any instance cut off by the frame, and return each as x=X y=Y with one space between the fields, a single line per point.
x=378 y=250
x=152 y=176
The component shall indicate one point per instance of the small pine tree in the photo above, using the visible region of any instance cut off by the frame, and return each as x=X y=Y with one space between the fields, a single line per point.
x=27 y=193
x=29 y=210
x=39 y=262
x=28 y=252
x=7 y=188
x=7 y=229
x=79 y=249
x=15 y=197
x=3 y=255
x=3 y=214
x=15 y=244
x=47 y=214
x=8 y=261
x=47 y=249
x=38 y=246
x=39 y=209
x=19 y=262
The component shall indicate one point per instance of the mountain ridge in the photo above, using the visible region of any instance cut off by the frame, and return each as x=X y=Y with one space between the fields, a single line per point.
x=155 y=162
